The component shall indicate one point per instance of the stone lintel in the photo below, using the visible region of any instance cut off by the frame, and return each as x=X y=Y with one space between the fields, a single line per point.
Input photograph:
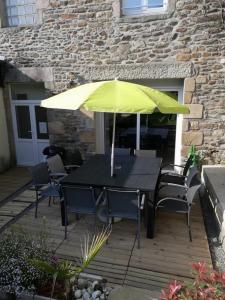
x=166 y=70
x=29 y=74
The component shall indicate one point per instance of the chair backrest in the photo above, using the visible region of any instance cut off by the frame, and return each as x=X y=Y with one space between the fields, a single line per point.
x=74 y=157
x=192 y=192
x=79 y=199
x=122 y=151
x=40 y=174
x=123 y=203
x=192 y=177
x=187 y=165
x=145 y=153
x=55 y=164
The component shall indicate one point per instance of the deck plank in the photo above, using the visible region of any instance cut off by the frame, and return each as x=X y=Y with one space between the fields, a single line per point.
x=159 y=261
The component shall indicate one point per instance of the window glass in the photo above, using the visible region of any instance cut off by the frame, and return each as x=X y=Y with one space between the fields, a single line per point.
x=142 y=6
x=155 y=3
x=23 y=122
x=21 y=12
x=41 y=122
x=126 y=131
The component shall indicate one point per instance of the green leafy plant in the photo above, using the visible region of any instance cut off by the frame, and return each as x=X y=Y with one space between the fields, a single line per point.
x=197 y=158
x=208 y=285
x=64 y=271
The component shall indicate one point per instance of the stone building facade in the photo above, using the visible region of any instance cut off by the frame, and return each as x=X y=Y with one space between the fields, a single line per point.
x=77 y=41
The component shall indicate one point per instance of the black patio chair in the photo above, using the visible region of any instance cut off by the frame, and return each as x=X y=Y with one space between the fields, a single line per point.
x=43 y=185
x=80 y=200
x=173 y=176
x=57 y=169
x=178 y=205
x=179 y=190
x=127 y=204
x=73 y=158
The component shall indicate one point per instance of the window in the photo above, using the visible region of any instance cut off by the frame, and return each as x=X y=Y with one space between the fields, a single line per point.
x=21 y=12
x=133 y=7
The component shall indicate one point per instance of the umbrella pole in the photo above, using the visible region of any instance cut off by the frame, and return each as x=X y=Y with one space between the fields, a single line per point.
x=113 y=144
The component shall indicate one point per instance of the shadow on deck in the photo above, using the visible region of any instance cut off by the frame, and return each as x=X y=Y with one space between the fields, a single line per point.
x=160 y=260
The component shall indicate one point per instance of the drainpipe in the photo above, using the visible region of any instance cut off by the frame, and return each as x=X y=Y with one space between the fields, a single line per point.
x=2 y=70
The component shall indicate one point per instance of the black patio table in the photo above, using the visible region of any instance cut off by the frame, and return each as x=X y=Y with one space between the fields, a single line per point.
x=130 y=173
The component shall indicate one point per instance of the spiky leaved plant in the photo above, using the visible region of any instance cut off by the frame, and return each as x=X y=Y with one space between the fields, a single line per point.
x=65 y=271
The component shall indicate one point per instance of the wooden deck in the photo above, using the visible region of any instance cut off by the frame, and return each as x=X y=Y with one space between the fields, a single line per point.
x=12 y=180
x=160 y=260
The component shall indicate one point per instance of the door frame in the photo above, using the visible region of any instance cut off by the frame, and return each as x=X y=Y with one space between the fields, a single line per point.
x=100 y=123
x=34 y=140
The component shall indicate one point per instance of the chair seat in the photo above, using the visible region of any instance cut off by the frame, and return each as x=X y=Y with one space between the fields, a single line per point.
x=50 y=191
x=172 y=191
x=174 y=206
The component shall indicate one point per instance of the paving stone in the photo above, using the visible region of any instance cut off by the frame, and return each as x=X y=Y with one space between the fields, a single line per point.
x=125 y=293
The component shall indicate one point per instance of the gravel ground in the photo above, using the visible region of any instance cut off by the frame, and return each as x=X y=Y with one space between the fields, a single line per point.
x=212 y=230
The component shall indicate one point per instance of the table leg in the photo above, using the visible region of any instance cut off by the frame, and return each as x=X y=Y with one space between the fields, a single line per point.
x=62 y=213
x=150 y=214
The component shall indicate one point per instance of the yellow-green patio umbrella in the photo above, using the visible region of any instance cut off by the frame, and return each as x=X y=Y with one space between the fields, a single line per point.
x=115 y=96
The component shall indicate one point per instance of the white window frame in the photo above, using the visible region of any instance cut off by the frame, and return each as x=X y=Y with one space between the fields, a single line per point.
x=144 y=9
x=100 y=125
x=10 y=5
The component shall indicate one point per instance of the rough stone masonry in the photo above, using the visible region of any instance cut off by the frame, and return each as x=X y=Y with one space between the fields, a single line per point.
x=84 y=40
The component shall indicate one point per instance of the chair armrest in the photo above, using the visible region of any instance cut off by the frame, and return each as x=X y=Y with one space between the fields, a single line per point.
x=142 y=201
x=172 y=199
x=172 y=165
x=171 y=173
x=172 y=184
x=71 y=166
x=99 y=198
x=58 y=174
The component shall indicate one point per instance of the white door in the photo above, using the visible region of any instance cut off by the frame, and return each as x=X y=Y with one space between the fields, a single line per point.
x=30 y=131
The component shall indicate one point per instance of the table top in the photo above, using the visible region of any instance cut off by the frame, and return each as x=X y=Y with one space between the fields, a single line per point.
x=130 y=172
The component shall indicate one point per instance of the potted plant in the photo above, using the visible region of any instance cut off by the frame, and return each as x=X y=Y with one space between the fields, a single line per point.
x=207 y=285
x=62 y=276
x=28 y=268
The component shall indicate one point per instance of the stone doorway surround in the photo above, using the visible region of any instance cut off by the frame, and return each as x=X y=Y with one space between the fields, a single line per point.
x=165 y=70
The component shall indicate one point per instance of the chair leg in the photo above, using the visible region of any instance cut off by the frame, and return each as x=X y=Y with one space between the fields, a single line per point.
x=49 y=201
x=36 y=204
x=66 y=221
x=95 y=222
x=108 y=224
x=139 y=229
x=189 y=226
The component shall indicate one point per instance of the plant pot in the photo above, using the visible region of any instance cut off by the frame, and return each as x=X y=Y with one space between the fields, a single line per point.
x=34 y=297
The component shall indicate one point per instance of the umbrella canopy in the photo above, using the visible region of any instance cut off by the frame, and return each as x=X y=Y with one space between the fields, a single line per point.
x=115 y=96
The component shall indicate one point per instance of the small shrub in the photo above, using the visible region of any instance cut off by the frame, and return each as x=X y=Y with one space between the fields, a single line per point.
x=63 y=273
x=208 y=285
x=17 y=247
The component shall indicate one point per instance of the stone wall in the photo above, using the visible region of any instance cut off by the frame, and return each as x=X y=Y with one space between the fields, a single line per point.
x=78 y=35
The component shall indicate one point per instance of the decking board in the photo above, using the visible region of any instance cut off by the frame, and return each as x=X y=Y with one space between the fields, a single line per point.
x=159 y=261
